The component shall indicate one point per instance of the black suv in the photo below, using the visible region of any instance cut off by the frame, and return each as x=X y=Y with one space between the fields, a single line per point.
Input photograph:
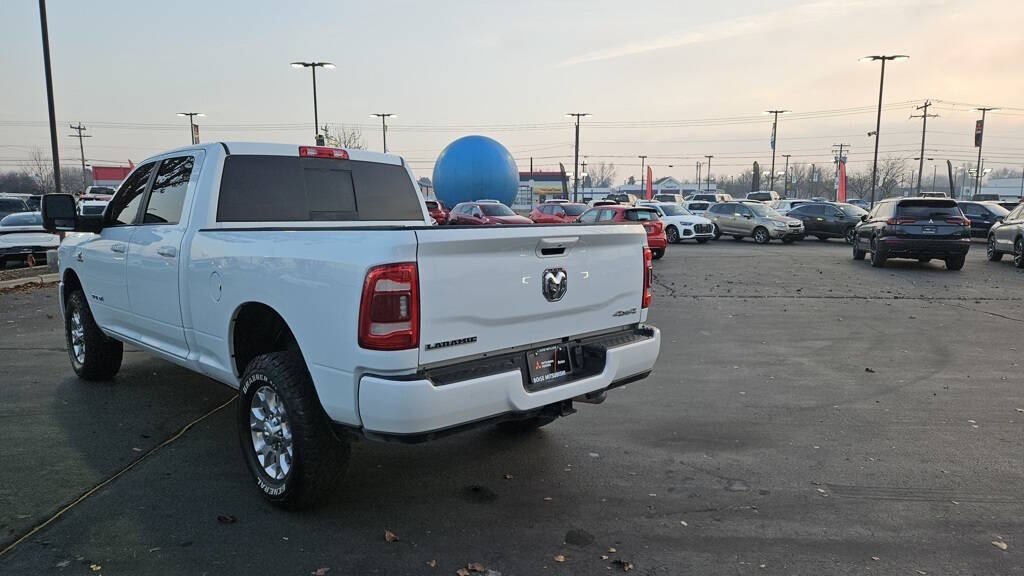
x=914 y=228
x=828 y=219
x=982 y=216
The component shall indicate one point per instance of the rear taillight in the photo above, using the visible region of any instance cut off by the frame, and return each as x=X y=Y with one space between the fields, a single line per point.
x=648 y=277
x=959 y=221
x=899 y=221
x=323 y=152
x=389 y=311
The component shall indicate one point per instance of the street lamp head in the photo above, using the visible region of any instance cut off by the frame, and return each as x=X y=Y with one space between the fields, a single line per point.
x=986 y=109
x=298 y=64
x=776 y=111
x=326 y=65
x=580 y=114
x=883 y=57
x=872 y=133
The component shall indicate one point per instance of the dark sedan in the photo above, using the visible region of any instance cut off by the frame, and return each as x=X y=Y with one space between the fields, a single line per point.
x=826 y=220
x=982 y=216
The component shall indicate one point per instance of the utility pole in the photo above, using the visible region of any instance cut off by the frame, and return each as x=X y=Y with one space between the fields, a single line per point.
x=643 y=160
x=979 y=137
x=878 y=120
x=709 y=157
x=699 y=163
x=384 y=125
x=785 y=185
x=81 y=147
x=583 y=172
x=934 y=167
x=49 y=95
x=576 y=153
x=924 y=116
x=775 y=123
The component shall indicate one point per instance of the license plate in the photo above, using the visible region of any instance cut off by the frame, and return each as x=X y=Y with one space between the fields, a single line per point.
x=928 y=229
x=549 y=365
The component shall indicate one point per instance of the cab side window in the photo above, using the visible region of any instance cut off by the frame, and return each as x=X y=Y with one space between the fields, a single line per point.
x=124 y=207
x=167 y=197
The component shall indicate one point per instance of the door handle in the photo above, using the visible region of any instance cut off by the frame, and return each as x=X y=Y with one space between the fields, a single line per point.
x=119 y=248
x=168 y=251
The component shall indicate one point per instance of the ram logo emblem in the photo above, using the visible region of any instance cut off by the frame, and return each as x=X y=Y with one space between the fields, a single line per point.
x=554 y=284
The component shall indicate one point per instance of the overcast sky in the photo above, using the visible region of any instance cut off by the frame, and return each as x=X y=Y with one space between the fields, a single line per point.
x=672 y=80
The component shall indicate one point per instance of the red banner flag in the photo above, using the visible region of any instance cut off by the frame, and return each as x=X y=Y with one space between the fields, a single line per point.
x=650 y=191
x=841 y=191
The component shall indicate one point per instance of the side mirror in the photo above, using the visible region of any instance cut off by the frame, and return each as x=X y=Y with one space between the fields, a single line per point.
x=747 y=216
x=59 y=214
x=863 y=217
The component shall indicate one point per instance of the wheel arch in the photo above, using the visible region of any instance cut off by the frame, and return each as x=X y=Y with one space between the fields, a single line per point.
x=69 y=283
x=258 y=328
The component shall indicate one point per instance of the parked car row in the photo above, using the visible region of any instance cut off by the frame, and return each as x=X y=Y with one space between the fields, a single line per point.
x=23 y=239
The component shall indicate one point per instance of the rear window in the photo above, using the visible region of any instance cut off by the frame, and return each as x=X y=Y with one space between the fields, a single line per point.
x=23 y=219
x=927 y=209
x=640 y=215
x=496 y=209
x=12 y=205
x=257 y=188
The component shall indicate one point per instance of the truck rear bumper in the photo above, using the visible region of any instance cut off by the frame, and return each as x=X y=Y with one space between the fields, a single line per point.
x=421 y=406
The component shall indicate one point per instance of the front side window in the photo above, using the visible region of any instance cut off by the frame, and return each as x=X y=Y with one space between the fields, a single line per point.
x=124 y=207
x=168 y=194
x=589 y=217
x=606 y=215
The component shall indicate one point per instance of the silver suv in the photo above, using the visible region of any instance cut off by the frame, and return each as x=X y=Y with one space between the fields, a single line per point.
x=754 y=219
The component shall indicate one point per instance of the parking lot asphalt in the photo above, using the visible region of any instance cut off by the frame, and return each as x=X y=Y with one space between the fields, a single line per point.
x=808 y=415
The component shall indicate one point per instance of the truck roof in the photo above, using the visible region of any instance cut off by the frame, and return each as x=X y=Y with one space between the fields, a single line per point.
x=277 y=149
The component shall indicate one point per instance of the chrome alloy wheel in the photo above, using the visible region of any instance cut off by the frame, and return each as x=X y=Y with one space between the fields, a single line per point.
x=271 y=433
x=77 y=337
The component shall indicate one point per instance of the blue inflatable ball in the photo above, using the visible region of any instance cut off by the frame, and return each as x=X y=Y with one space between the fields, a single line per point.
x=474 y=168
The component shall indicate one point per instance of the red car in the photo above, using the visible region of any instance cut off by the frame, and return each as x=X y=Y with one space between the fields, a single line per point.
x=487 y=212
x=437 y=211
x=657 y=241
x=557 y=212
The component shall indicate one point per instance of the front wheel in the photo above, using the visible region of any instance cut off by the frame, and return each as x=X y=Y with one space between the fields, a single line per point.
x=717 y=232
x=93 y=355
x=289 y=447
x=1018 y=253
x=877 y=260
x=849 y=235
x=858 y=254
x=761 y=236
x=991 y=252
x=956 y=261
x=657 y=254
x=672 y=233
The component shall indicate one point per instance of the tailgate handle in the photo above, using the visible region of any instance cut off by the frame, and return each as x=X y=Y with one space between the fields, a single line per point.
x=550 y=247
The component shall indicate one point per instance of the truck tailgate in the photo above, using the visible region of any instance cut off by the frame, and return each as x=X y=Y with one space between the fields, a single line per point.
x=482 y=289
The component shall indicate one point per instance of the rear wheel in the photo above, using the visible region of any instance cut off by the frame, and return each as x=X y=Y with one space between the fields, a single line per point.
x=877 y=260
x=1018 y=253
x=718 y=233
x=657 y=254
x=955 y=261
x=672 y=233
x=761 y=235
x=289 y=447
x=93 y=355
x=849 y=234
x=991 y=252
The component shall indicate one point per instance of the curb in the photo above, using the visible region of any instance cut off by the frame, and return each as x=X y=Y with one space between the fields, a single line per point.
x=44 y=279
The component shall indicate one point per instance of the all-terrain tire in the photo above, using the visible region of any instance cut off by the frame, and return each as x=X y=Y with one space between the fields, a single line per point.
x=318 y=458
x=94 y=355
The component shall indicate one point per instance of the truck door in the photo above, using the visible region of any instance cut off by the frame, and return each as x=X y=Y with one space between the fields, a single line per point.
x=154 y=255
x=104 y=255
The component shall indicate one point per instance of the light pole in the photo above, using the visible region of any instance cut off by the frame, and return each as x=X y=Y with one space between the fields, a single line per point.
x=709 y=157
x=191 y=124
x=643 y=160
x=699 y=164
x=920 y=173
x=576 y=153
x=979 y=138
x=44 y=30
x=384 y=125
x=785 y=182
x=775 y=123
x=878 y=120
x=316 y=119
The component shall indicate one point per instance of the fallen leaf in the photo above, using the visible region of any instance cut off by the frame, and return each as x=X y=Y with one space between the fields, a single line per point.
x=875 y=558
x=869 y=370
x=559 y=558
x=157 y=549
x=389 y=536
x=625 y=565
x=63 y=563
x=604 y=557
x=226 y=519
x=683 y=522
x=508 y=476
x=999 y=544
x=1019 y=409
x=321 y=571
x=432 y=563
x=95 y=567
x=547 y=498
x=462 y=572
x=475 y=567
x=611 y=550
x=920 y=571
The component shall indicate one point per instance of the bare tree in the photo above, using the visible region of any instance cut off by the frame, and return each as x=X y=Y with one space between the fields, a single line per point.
x=890 y=171
x=600 y=175
x=39 y=168
x=343 y=136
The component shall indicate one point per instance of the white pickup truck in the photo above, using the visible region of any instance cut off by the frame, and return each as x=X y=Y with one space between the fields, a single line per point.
x=314 y=281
